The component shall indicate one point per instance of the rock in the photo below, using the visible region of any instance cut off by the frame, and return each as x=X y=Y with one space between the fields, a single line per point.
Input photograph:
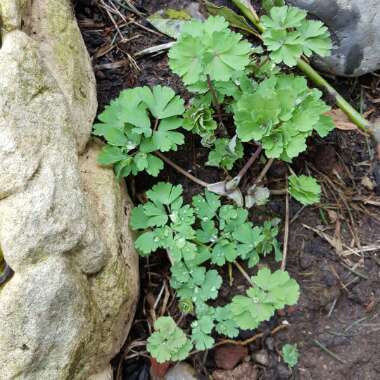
x=229 y=355
x=355 y=27
x=283 y=371
x=261 y=357
x=181 y=371
x=158 y=370
x=107 y=374
x=245 y=371
x=306 y=261
x=63 y=219
x=269 y=342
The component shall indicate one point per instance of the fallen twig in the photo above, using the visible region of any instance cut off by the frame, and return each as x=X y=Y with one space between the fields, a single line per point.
x=332 y=354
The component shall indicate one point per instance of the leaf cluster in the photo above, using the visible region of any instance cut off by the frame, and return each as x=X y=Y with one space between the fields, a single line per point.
x=168 y=342
x=288 y=35
x=271 y=292
x=225 y=153
x=135 y=125
x=281 y=114
x=208 y=50
x=204 y=231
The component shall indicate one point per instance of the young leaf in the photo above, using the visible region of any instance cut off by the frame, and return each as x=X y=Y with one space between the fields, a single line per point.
x=168 y=342
x=223 y=156
x=271 y=292
x=199 y=120
x=201 y=330
x=290 y=354
x=304 y=189
x=126 y=126
x=249 y=238
x=207 y=206
x=208 y=49
x=288 y=35
x=161 y=101
x=225 y=325
x=281 y=114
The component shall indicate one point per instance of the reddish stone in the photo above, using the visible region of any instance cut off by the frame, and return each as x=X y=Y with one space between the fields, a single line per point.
x=229 y=355
x=158 y=370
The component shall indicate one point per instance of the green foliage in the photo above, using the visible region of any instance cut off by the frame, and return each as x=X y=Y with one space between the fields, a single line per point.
x=304 y=189
x=168 y=342
x=277 y=111
x=288 y=35
x=126 y=124
x=199 y=120
x=225 y=154
x=281 y=114
x=208 y=49
x=269 y=4
x=205 y=231
x=290 y=354
x=271 y=292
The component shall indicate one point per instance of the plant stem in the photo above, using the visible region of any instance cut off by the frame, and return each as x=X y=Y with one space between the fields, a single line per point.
x=215 y=102
x=262 y=173
x=251 y=339
x=234 y=183
x=180 y=170
x=248 y=11
x=286 y=230
x=243 y=272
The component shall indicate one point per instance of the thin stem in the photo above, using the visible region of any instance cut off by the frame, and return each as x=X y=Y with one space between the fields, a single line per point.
x=243 y=272
x=234 y=183
x=251 y=339
x=215 y=101
x=346 y=107
x=180 y=170
x=286 y=229
x=264 y=171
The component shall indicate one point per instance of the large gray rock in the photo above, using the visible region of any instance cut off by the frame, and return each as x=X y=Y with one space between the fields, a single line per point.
x=63 y=219
x=355 y=28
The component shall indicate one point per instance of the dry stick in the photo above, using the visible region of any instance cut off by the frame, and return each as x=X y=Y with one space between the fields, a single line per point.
x=263 y=172
x=248 y=11
x=243 y=272
x=180 y=170
x=286 y=230
x=249 y=340
x=234 y=183
x=332 y=354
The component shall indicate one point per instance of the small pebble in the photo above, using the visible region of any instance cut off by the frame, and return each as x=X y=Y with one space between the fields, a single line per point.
x=261 y=357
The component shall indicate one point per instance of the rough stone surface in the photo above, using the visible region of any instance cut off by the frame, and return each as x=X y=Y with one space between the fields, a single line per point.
x=355 y=28
x=245 y=371
x=181 y=371
x=63 y=219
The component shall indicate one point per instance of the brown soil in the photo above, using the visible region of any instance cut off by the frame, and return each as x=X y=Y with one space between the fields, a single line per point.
x=339 y=309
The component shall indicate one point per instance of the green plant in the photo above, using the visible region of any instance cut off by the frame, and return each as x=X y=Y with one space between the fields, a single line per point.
x=208 y=49
x=290 y=354
x=288 y=35
x=208 y=232
x=135 y=125
x=275 y=112
x=225 y=152
x=271 y=291
x=281 y=114
x=168 y=342
x=304 y=189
